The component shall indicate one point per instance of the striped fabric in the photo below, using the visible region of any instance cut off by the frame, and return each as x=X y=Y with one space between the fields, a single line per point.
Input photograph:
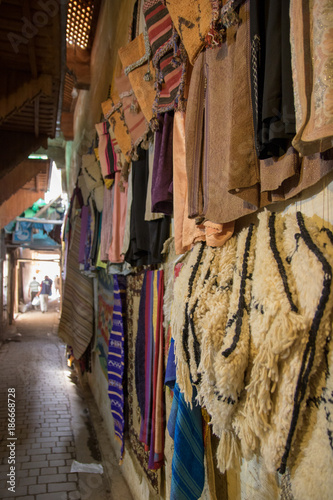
x=105 y=150
x=150 y=366
x=169 y=70
x=185 y=428
x=105 y=315
x=77 y=318
x=159 y=25
x=116 y=361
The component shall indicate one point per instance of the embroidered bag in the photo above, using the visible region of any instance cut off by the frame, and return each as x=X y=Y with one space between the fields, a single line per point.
x=136 y=122
x=192 y=20
x=135 y=60
x=166 y=57
x=113 y=111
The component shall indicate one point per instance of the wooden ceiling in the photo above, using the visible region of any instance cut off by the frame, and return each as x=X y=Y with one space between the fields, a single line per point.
x=32 y=61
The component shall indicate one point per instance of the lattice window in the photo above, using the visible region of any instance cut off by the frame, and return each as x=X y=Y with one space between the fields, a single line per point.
x=79 y=19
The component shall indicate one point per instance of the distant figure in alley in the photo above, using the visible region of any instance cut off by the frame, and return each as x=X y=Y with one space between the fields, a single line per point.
x=45 y=291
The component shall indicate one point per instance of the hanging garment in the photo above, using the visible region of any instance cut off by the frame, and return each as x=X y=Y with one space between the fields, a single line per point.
x=272 y=85
x=209 y=118
x=118 y=221
x=192 y=21
x=116 y=360
x=185 y=428
x=113 y=112
x=105 y=150
x=106 y=230
x=146 y=237
x=186 y=231
x=149 y=367
x=162 y=186
x=141 y=73
x=104 y=312
x=311 y=38
x=149 y=215
x=170 y=69
x=135 y=120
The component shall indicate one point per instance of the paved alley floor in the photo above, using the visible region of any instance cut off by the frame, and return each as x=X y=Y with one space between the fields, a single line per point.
x=45 y=420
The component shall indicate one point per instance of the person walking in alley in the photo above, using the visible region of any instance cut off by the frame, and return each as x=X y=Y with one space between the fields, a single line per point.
x=45 y=291
x=34 y=288
x=57 y=285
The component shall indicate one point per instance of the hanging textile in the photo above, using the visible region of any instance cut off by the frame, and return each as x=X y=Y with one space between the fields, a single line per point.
x=251 y=334
x=170 y=70
x=185 y=428
x=272 y=85
x=77 y=316
x=192 y=21
x=134 y=287
x=118 y=220
x=116 y=360
x=105 y=313
x=140 y=71
x=105 y=150
x=106 y=230
x=149 y=367
x=113 y=112
x=146 y=237
x=210 y=116
x=311 y=37
x=135 y=120
x=162 y=185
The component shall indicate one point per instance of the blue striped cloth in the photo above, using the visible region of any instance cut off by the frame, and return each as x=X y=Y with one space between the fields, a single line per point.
x=185 y=428
x=116 y=359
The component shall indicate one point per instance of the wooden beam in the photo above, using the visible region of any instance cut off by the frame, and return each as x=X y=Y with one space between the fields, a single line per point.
x=31 y=42
x=36 y=119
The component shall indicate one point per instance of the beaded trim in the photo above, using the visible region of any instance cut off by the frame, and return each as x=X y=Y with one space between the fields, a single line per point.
x=282 y=271
x=255 y=54
x=310 y=348
x=229 y=16
x=143 y=59
x=241 y=303
x=126 y=94
x=112 y=110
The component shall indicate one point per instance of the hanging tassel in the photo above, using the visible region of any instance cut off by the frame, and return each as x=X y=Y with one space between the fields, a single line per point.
x=134 y=108
x=228 y=452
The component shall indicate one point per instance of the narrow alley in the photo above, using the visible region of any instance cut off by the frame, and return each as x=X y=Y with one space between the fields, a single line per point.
x=51 y=424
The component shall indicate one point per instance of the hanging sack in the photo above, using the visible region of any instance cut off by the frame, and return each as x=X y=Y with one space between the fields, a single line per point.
x=136 y=122
x=135 y=58
x=192 y=21
x=113 y=112
x=167 y=58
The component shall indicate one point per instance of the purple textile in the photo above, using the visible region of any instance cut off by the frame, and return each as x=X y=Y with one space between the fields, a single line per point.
x=116 y=361
x=161 y=190
x=83 y=235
